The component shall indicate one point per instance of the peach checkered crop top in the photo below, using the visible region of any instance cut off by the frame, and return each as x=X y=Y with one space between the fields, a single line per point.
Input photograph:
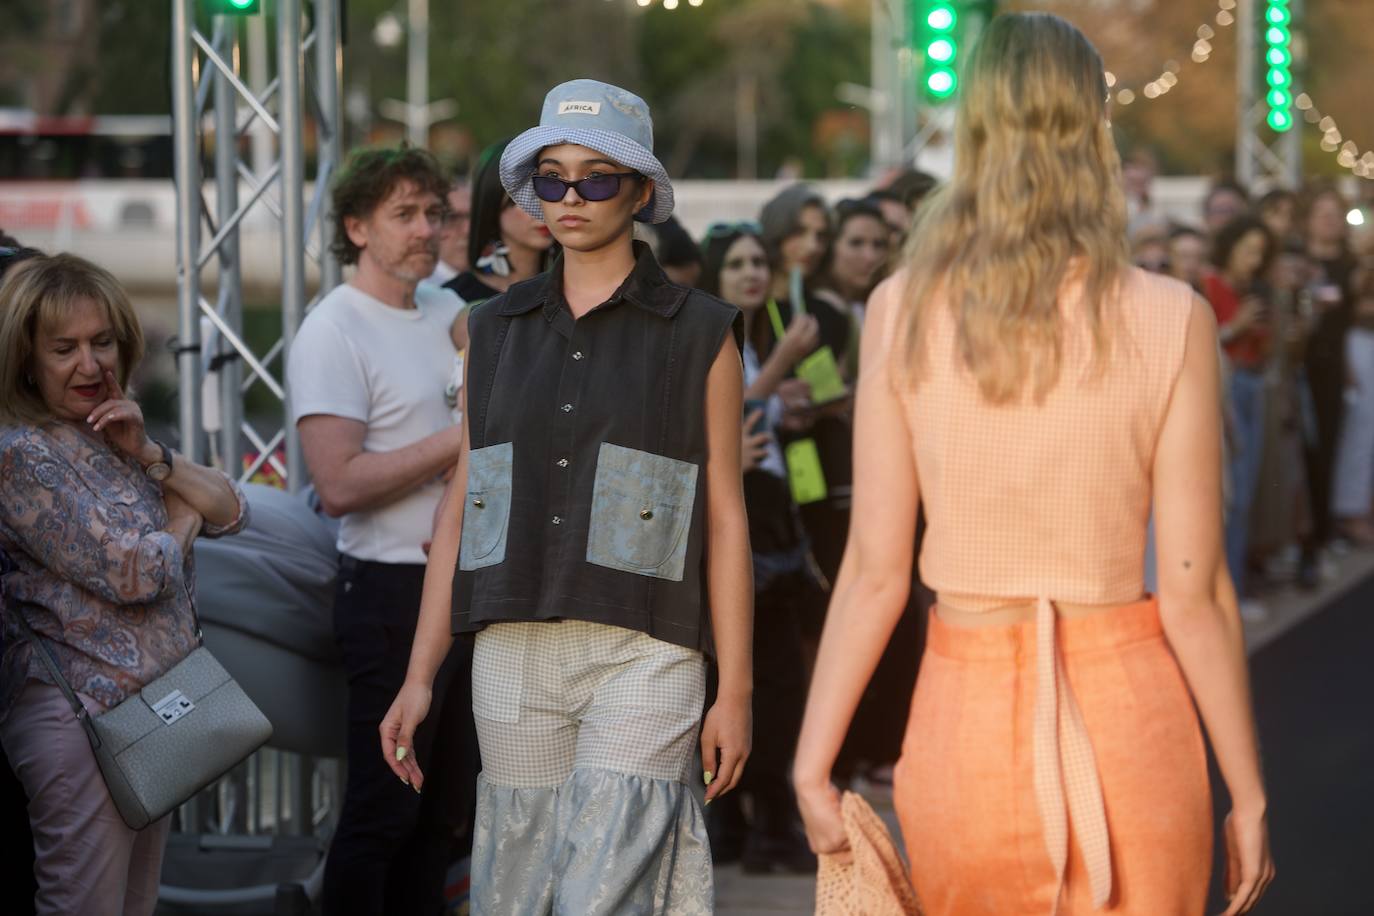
x=1027 y=500
x=1050 y=501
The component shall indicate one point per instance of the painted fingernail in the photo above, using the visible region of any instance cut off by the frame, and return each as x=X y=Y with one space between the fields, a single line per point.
x=417 y=789
x=707 y=777
x=406 y=781
x=400 y=754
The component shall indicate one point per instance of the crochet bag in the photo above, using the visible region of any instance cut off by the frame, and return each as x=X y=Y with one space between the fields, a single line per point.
x=870 y=879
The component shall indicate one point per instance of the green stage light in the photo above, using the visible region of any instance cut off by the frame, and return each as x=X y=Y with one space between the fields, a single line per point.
x=942 y=82
x=232 y=7
x=942 y=17
x=1280 y=120
x=1279 y=99
x=941 y=50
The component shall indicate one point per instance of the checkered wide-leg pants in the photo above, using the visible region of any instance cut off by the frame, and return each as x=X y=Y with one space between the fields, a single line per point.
x=588 y=735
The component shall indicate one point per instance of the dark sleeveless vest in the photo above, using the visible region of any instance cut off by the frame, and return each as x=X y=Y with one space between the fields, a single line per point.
x=586 y=488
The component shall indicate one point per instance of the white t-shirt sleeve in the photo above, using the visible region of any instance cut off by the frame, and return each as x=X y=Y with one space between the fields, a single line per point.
x=325 y=373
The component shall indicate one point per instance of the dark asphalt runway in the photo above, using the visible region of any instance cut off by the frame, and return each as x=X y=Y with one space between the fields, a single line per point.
x=1314 y=699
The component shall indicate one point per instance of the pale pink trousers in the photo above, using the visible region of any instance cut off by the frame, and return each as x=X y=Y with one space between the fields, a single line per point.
x=87 y=861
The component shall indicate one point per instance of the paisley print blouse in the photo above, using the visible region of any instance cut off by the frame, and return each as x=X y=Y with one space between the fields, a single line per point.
x=93 y=571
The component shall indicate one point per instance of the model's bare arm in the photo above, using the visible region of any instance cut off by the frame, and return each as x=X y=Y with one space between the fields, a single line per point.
x=351 y=479
x=1198 y=605
x=433 y=630
x=871 y=589
x=726 y=734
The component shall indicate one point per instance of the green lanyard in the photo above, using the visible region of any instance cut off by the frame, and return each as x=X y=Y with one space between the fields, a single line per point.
x=778 y=329
x=798 y=302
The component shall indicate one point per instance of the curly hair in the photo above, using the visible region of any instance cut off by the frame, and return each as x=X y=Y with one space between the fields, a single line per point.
x=369 y=177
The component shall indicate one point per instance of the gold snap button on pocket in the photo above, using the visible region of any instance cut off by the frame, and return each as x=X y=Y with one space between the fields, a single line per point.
x=646 y=514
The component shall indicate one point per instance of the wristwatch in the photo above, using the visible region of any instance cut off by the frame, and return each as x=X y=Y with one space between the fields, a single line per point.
x=160 y=469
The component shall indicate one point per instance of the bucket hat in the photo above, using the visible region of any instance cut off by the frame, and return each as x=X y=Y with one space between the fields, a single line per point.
x=599 y=116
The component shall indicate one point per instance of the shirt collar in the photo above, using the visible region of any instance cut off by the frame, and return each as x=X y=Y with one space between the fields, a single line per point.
x=646 y=286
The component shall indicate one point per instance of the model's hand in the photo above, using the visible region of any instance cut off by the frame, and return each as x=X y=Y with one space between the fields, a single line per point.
x=1249 y=864
x=820 y=811
x=397 y=730
x=121 y=421
x=726 y=737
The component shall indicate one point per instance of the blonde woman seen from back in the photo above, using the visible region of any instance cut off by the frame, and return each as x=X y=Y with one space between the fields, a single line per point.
x=1036 y=395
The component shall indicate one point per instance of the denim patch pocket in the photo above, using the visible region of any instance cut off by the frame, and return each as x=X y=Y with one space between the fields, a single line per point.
x=486 y=513
x=641 y=512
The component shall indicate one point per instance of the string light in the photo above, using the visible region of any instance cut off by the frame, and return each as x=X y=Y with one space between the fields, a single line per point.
x=1168 y=78
x=1348 y=155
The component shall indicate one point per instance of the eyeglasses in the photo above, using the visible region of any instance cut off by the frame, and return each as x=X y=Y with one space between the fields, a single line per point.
x=721 y=229
x=593 y=187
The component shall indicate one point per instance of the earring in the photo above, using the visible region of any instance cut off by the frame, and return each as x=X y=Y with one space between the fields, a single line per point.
x=494 y=260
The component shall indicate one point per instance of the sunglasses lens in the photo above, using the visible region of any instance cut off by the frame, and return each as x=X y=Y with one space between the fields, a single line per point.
x=549 y=189
x=599 y=187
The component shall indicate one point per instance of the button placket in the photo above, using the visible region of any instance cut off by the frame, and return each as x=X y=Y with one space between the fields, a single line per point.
x=563 y=438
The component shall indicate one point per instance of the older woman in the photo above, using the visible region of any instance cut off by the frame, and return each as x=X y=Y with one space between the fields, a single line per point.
x=97 y=521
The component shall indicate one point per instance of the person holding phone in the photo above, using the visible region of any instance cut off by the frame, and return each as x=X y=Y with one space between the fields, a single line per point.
x=736 y=269
x=1241 y=254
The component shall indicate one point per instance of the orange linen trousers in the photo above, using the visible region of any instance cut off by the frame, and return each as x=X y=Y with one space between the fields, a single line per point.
x=965 y=793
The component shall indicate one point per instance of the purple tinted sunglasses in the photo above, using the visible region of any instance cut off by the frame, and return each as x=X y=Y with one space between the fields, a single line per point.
x=593 y=187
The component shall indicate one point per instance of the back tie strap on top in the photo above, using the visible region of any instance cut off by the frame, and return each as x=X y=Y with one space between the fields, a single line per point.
x=1066 y=779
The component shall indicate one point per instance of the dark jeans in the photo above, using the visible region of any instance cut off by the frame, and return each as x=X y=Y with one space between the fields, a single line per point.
x=392 y=846
x=1325 y=368
x=779 y=698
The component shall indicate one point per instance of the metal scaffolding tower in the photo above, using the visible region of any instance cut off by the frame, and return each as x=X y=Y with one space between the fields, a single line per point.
x=1263 y=158
x=206 y=73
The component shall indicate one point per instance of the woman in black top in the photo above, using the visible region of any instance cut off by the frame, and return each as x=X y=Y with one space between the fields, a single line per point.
x=595 y=518
x=505 y=244
x=736 y=269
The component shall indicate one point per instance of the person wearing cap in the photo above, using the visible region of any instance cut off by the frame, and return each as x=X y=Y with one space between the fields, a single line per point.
x=594 y=539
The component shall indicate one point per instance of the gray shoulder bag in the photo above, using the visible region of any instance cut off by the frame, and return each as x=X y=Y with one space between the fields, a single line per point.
x=173 y=738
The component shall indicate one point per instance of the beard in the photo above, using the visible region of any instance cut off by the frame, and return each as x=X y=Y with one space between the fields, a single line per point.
x=415 y=265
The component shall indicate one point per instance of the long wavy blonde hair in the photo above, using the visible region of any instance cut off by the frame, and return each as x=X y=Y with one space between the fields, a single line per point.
x=1036 y=192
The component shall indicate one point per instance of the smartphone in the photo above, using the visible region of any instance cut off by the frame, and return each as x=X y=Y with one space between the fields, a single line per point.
x=753 y=404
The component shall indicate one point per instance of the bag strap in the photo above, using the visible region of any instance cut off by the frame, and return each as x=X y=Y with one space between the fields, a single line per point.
x=44 y=655
x=50 y=663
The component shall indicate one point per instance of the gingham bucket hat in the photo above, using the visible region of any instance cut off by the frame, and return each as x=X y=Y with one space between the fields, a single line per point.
x=601 y=117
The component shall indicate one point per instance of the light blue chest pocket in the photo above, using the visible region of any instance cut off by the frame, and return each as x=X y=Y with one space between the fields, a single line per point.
x=486 y=513
x=641 y=512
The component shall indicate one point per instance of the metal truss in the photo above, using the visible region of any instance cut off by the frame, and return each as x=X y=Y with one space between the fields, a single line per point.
x=217 y=368
x=1263 y=158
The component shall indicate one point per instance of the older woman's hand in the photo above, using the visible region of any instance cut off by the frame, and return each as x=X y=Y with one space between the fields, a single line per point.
x=121 y=422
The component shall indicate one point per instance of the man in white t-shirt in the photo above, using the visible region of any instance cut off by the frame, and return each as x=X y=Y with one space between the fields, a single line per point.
x=368 y=374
